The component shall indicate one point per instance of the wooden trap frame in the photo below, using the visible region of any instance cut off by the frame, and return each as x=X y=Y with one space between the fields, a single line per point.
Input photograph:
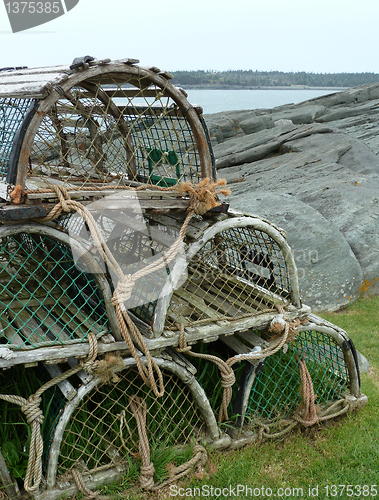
x=145 y=287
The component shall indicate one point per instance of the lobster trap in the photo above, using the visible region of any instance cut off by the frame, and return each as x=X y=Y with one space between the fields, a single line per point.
x=124 y=278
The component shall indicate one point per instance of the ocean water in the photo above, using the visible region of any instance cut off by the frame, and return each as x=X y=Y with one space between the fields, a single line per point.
x=214 y=101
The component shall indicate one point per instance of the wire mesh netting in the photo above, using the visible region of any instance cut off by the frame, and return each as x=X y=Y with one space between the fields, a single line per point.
x=239 y=272
x=275 y=393
x=12 y=112
x=45 y=299
x=102 y=431
x=106 y=133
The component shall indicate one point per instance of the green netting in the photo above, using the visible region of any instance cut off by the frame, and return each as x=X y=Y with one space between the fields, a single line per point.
x=102 y=430
x=276 y=389
x=45 y=299
x=12 y=112
x=102 y=134
x=165 y=149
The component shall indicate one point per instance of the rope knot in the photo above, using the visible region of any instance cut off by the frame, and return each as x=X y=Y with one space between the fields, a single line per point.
x=147 y=474
x=90 y=364
x=63 y=197
x=227 y=379
x=32 y=410
x=278 y=324
x=124 y=290
x=203 y=196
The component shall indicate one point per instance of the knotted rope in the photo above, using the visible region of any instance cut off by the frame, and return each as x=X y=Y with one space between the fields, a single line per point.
x=202 y=195
x=90 y=364
x=138 y=407
x=34 y=416
x=279 y=325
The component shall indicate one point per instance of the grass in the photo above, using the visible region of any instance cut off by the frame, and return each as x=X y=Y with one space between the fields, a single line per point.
x=340 y=452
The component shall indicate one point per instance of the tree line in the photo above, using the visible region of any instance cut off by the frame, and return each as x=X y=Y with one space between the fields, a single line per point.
x=241 y=78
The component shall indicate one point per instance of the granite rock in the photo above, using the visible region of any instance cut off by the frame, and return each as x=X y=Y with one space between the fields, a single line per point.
x=312 y=168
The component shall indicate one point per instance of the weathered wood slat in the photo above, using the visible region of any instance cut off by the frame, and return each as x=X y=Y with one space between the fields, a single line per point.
x=246 y=306
x=195 y=227
x=199 y=303
x=171 y=338
x=72 y=321
x=217 y=302
x=16 y=303
x=238 y=347
x=240 y=294
x=12 y=78
x=267 y=296
x=10 y=333
x=77 y=314
x=61 y=68
x=66 y=388
x=28 y=326
x=84 y=376
x=253 y=339
x=52 y=325
x=25 y=91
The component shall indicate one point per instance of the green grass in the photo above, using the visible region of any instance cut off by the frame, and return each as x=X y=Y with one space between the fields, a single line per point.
x=344 y=451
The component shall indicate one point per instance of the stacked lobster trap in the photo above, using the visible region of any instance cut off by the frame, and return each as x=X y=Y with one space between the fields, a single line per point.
x=125 y=281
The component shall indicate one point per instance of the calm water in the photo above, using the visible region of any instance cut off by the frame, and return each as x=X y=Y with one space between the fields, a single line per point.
x=214 y=101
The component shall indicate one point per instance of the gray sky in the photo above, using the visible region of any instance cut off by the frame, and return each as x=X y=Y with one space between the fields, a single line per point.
x=320 y=36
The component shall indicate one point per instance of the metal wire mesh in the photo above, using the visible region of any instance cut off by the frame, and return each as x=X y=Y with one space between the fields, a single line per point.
x=102 y=430
x=240 y=272
x=276 y=389
x=45 y=299
x=105 y=133
x=12 y=112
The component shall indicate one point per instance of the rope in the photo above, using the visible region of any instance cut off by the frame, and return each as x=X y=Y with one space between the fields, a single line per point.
x=202 y=196
x=34 y=416
x=199 y=459
x=138 y=407
x=310 y=416
x=226 y=372
x=82 y=488
x=90 y=364
x=282 y=325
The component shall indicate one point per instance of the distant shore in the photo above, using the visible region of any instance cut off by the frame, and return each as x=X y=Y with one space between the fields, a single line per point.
x=239 y=87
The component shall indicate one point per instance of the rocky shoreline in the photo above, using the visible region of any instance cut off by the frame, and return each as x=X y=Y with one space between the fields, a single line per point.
x=312 y=168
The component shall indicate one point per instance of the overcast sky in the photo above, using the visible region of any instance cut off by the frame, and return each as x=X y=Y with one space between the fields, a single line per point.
x=320 y=36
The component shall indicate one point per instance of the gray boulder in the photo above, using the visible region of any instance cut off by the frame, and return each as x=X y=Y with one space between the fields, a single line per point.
x=315 y=173
x=329 y=273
